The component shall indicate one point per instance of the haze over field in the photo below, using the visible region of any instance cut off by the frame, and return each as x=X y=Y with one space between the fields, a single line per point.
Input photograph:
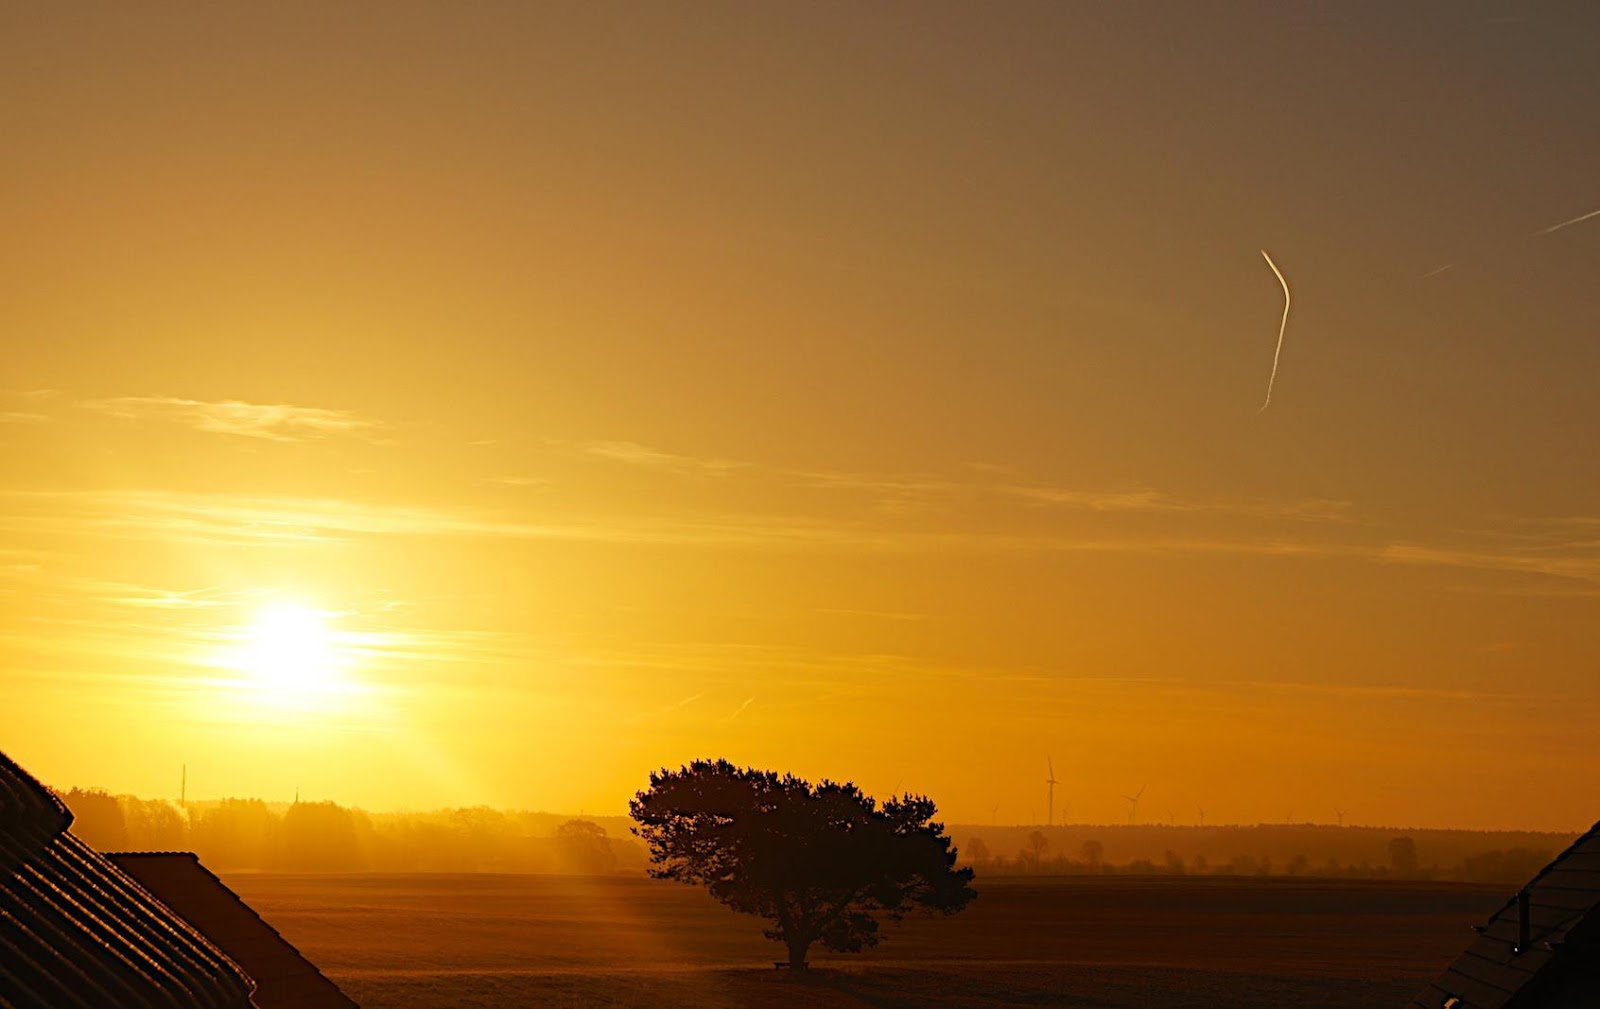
x=424 y=405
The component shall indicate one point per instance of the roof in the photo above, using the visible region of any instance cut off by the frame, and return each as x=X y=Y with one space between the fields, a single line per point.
x=283 y=977
x=1555 y=964
x=77 y=933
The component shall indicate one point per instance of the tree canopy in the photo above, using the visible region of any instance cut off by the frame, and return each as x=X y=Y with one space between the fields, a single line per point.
x=824 y=863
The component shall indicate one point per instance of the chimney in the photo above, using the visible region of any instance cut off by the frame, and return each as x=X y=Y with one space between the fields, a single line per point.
x=1524 y=920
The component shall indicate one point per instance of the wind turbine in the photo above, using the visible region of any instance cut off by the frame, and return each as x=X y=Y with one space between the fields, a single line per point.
x=1202 y=811
x=994 y=813
x=1133 y=803
x=1341 y=816
x=1050 y=807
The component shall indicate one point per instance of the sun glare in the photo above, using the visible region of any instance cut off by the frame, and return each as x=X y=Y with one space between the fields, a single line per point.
x=290 y=656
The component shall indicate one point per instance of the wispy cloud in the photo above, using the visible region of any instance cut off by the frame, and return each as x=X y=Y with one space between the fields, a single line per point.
x=279 y=422
x=1308 y=510
x=662 y=712
x=20 y=417
x=634 y=454
x=275 y=521
x=1578 y=563
x=893 y=616
x=266 y=521
x=891 y=489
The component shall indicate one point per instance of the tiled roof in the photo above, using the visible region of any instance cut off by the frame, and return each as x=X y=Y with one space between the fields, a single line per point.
x=283 y=977
x=1541 y=949
x=77 y=933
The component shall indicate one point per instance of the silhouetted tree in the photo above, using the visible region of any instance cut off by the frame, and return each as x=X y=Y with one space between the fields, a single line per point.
x=320 y=836
x=1498 y=866
x=1094 y=853
x=977 y=851
x=484 y=833
x=1403 y=856
x=821 y=862
x=584 y=846
x=154 y=824
x=97 y=818
x=1037 y=843
x=236 y=834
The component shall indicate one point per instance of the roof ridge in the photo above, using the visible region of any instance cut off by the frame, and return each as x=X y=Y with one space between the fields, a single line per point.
x=220 y=884
x=36 y=806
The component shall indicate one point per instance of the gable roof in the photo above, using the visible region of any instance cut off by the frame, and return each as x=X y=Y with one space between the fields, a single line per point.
x=1554 y=964
x=283 y=976
x=77 y=933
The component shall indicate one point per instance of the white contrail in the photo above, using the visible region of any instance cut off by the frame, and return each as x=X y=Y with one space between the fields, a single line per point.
x=1282 y=326
x=1567 y=224
x=1529 y=237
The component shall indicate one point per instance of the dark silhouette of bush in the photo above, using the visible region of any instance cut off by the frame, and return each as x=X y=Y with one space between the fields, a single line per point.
x=1511 y=866
x=154 y=824
x=1094 y=853
x=823 y=863
x=97 y=818
x=320 y=837
x=977 y=851
x=236 y=834
x=585 y=847
x=1403 y=857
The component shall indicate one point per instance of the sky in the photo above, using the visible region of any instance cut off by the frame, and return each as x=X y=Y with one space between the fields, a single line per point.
x=426 y=405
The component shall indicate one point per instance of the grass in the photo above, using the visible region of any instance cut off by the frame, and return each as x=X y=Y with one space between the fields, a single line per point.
x=494 y=942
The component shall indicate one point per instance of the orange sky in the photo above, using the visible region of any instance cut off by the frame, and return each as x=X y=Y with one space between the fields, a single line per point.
x=861 y=391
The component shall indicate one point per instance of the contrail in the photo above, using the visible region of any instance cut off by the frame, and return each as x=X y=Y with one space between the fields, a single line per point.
x=1529 y=237
x=1566 y=224
x=1282 y=326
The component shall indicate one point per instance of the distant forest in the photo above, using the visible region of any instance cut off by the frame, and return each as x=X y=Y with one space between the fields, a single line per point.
x=1268 y=849
x=250 y=834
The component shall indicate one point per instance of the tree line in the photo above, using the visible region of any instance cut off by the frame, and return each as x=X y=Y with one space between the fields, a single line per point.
x=1403 y=861
x=234 y=834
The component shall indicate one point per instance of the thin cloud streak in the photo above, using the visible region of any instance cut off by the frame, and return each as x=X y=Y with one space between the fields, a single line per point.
x=933 y=489
x=279 y=422
x=634 y=454
x=1154 y=501
x=244 y=521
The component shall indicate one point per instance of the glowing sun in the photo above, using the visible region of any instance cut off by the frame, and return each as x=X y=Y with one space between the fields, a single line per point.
x=290 y=656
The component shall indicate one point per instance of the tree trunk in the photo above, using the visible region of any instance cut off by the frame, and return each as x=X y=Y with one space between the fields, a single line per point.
x=797 y=953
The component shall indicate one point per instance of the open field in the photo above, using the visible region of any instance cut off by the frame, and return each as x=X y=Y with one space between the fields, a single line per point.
x=493 y=941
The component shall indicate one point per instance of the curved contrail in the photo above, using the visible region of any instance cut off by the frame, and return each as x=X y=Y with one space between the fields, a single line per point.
x=1282 y=326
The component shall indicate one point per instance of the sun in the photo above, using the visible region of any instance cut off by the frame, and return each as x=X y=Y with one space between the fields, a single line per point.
x=290 y=657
